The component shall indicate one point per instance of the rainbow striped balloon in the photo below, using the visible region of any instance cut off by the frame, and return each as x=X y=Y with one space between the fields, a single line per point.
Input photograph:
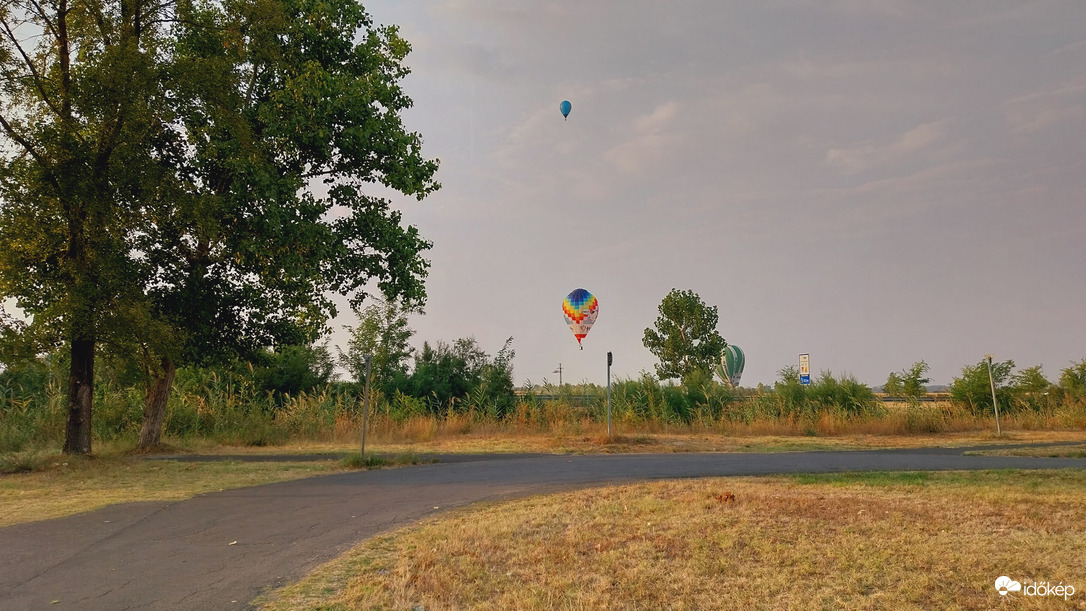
x=580 y=309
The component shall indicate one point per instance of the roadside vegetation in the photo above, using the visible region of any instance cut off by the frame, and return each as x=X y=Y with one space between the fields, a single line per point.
x=842 y=541
x=458 y=390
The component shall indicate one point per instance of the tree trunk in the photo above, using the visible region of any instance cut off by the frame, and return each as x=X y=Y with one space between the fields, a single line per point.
x=154 y=405
x=77 y=438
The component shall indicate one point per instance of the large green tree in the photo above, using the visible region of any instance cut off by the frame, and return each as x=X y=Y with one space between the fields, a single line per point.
x=685 y=337
x=189 y=179
x=81 y=108
x=289 y=110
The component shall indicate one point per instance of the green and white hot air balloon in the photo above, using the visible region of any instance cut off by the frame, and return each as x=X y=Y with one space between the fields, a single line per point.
x=731 y=365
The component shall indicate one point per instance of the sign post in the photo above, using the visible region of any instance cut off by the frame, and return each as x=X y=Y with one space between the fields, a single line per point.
x=804 y=369
x=995 y=402
x=609 y=395
x=366 y=404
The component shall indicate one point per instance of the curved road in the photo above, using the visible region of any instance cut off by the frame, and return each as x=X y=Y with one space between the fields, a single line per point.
x=219 y=551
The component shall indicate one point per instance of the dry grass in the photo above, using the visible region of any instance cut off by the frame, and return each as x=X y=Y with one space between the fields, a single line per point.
x=68 y=485
x=875 y=541
x=591 y=437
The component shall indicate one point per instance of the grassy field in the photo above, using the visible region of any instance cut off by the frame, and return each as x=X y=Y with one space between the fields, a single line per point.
x=840 y=541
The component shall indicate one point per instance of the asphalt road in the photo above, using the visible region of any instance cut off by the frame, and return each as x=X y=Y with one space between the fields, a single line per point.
x=219 y=551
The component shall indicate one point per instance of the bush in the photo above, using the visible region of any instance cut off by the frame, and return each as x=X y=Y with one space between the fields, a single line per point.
x=974 y=388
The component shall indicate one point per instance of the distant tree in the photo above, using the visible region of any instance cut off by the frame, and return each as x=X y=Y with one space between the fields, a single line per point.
x=462 y=373
x=446 y=372
x=24 y=371
x=685 y=337
x=1030 y=380
x=496 y=386
x=893 y=385
x=1073 y=379
x=383 y=333
x=913 y=381
x=291 y=370
x=974 y=389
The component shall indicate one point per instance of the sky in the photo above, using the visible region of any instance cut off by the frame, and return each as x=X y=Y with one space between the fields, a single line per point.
x=871 y=182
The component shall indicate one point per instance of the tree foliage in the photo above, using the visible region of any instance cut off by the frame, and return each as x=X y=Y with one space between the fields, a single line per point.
x=461 y=374
x=685 y=337
x=1073 y=379
x=1030 y=380
x=82 y=111
x=893 y=386
x=158 y=187
x=291 y=370
x=383 y=333
x=909 y=383
x=974 y=388
x=913 y=380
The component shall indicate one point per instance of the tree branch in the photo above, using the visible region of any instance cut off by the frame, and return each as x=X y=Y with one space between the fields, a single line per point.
x=37 y=79
x=29 y=148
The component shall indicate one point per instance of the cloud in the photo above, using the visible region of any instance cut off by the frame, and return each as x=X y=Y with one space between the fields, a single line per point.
x=651 y=144
x=1045 y=109
x=862 y=157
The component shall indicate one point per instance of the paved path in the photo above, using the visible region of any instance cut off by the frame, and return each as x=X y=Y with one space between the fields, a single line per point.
x=219 y=551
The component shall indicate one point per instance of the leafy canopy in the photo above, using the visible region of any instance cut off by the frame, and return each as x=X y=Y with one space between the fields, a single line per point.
x=684 y=338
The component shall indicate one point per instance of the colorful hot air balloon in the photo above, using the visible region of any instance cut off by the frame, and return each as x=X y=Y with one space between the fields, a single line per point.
x=731 y=365
x=565 y=107
x=580 y=309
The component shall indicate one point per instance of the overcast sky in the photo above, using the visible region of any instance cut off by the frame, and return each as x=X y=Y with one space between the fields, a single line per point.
x=870 y=182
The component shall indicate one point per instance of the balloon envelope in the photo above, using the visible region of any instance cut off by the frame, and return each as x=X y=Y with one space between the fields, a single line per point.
x=565 y=107
x=580 y=309
x=731 y=365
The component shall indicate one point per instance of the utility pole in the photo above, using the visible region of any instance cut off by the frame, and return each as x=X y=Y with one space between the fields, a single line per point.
x=559 y=372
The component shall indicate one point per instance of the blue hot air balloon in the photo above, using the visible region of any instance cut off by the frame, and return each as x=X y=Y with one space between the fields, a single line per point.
x=565 y=107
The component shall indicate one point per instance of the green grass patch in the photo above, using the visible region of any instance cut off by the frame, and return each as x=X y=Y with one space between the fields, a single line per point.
x=1031 y=480
x=376 y=461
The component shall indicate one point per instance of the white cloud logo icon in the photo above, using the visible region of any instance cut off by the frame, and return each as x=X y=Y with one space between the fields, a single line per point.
x=1004 y=584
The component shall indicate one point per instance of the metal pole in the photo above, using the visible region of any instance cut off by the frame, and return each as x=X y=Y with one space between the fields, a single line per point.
x=608 y=395
x=366 y=404
x=995 y=402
